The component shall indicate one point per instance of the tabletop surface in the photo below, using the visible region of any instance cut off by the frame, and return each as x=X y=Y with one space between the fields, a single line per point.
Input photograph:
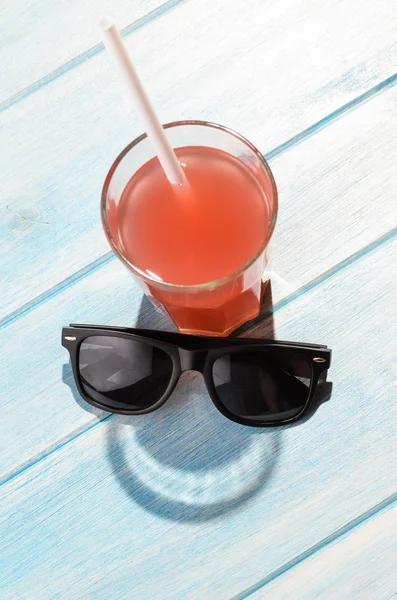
x=182 y=503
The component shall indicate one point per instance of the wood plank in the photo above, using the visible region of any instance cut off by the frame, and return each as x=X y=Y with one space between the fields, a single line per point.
x=59 y=143
x=57 y=32
x=183 y=503
x=362 y=565
x=326 y=172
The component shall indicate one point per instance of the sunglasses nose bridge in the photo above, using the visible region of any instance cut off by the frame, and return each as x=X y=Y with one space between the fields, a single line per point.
x=192 y=360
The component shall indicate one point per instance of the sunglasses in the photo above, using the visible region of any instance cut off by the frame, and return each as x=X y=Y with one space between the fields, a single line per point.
x=254 y=382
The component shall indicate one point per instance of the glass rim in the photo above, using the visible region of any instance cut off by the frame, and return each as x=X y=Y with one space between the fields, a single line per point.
x=207 y=285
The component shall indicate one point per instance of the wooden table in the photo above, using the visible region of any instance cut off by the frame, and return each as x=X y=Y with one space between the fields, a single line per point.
x=182 y=503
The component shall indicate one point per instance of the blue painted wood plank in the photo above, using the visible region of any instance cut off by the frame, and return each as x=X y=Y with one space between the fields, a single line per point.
x=323 y=194
x=60 y=35
x=183 y=503
x=361 y=565
x=59 y=142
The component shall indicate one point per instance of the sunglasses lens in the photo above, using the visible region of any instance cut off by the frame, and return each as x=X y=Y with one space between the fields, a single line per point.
x=262 y=385
x=122 y=373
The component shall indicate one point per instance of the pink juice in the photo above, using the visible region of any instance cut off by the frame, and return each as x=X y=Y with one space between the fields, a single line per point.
x=203 y=233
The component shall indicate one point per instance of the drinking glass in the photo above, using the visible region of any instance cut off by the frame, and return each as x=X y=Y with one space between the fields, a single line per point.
x=214 y=307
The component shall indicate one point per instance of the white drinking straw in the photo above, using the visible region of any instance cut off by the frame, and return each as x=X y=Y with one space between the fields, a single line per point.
x=166 y=155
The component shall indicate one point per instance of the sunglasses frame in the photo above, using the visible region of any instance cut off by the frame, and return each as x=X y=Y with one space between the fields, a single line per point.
x=195 y=353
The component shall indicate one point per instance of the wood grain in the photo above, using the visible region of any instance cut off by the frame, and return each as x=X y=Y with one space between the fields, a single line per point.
x=59 y=34
x=323 y=195
x=183 y=503
x=362 y=565
x=59 y=142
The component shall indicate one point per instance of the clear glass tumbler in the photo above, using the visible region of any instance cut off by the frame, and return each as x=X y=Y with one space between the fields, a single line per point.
x=214 y=307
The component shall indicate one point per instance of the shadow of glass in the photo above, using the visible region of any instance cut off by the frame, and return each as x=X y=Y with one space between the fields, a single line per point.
x=187 y=462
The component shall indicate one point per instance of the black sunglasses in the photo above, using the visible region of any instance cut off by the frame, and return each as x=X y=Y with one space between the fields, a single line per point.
x=254 y=382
